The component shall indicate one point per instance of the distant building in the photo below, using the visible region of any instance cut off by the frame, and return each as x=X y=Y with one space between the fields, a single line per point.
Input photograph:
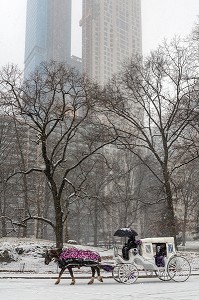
x=48 y=32
x=76 y=62
x=111 y=33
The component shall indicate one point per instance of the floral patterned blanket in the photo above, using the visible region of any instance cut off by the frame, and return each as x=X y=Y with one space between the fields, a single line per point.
x=74 y=253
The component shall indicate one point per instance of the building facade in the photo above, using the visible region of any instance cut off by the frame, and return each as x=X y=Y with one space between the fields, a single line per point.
x=48 y=32
x=111 y=33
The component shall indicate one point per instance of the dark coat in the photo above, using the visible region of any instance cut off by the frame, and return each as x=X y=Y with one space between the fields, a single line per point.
x=131 y=243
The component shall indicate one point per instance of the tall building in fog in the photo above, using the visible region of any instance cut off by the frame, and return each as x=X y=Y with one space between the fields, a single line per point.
x=48 y=32
x=111 y=32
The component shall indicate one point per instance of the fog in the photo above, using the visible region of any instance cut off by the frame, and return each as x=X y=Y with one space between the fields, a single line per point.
x=160 y=19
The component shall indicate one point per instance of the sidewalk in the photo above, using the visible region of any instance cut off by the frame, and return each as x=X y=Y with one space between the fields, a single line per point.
x=45 y=276
x=79 y=276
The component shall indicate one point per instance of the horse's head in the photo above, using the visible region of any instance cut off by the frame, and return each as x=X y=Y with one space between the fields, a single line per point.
x=48 y=257
x=50 y=254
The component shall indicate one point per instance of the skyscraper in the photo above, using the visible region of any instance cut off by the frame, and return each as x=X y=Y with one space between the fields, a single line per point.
x=111 y=32
x=48 y=32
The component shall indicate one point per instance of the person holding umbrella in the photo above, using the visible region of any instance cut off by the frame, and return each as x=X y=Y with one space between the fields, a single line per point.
x=131 y=243
x=127 y=246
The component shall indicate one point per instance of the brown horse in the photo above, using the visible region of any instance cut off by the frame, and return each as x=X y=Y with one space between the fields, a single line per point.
x=54 y=254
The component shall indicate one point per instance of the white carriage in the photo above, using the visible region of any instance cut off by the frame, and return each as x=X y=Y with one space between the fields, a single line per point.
x=155 y=256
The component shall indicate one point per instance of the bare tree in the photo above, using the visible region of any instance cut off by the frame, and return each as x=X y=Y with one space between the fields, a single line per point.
x=59 y=106
x=9 y=160
x=195 y=32
x=124 y=189
x=153 y=102
x=187 y=198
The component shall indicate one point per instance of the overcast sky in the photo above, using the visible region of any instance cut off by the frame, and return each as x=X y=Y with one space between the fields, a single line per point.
x=160 y=19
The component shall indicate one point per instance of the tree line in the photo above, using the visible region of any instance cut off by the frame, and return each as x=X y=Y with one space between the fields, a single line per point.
x=82 y=159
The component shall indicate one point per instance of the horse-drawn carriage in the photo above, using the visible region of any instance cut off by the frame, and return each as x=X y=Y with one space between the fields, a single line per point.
x=155 y=256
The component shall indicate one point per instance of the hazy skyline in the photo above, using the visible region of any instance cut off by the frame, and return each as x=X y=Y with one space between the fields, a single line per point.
x=160 y=19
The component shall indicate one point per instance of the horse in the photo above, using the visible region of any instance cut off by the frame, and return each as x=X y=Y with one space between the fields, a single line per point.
x=58 y=256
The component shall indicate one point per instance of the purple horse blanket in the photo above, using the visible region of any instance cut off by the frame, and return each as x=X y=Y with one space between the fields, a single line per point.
x=74 y=253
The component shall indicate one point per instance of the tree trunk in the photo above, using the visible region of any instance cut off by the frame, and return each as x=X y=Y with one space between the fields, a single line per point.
x=170 y=210
x=184 y=227
x=3 y=213
x=25 y=194
x=58 y=223
x=3 y=226
x=96 y=223
x=66 y=233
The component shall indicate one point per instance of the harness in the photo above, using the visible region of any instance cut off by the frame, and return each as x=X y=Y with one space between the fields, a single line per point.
x=72 y=262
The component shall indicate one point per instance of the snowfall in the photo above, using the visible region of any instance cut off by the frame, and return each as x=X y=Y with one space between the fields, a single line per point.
x=25 y=277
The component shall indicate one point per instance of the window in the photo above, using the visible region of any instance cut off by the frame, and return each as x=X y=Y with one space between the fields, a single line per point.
x=148 y=248
x=170 y=248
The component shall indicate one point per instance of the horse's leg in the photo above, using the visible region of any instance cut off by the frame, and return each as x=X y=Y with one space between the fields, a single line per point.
x=71 y=275
x=99 y=277
x=93 y=275
x=60 y=274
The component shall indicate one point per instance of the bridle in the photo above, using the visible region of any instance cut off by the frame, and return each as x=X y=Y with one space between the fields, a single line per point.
x=50 y=257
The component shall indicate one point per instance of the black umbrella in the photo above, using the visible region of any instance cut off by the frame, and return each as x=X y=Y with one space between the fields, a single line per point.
x=127 y=232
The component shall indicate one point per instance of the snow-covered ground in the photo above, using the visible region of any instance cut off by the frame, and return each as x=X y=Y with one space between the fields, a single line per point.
x=143 y=289
x=27 y=262
x=27 y=256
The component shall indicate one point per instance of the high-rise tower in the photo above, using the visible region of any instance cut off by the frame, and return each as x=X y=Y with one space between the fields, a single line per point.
x=111 y=32
x=48 y=32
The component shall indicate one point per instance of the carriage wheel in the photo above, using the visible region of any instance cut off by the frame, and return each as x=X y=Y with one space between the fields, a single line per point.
x=115 y=273
x=163 y=275
x=128 y=273
x=179 y=268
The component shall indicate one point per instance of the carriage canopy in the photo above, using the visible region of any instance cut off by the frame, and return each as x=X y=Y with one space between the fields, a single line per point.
x=149 y=246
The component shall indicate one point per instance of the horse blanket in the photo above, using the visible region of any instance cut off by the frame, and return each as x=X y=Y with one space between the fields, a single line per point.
x=74 y=253
x=79 y=257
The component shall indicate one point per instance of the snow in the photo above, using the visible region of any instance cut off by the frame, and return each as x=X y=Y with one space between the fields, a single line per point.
x=27 y=277
x=32 y=258
x=143 y=289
